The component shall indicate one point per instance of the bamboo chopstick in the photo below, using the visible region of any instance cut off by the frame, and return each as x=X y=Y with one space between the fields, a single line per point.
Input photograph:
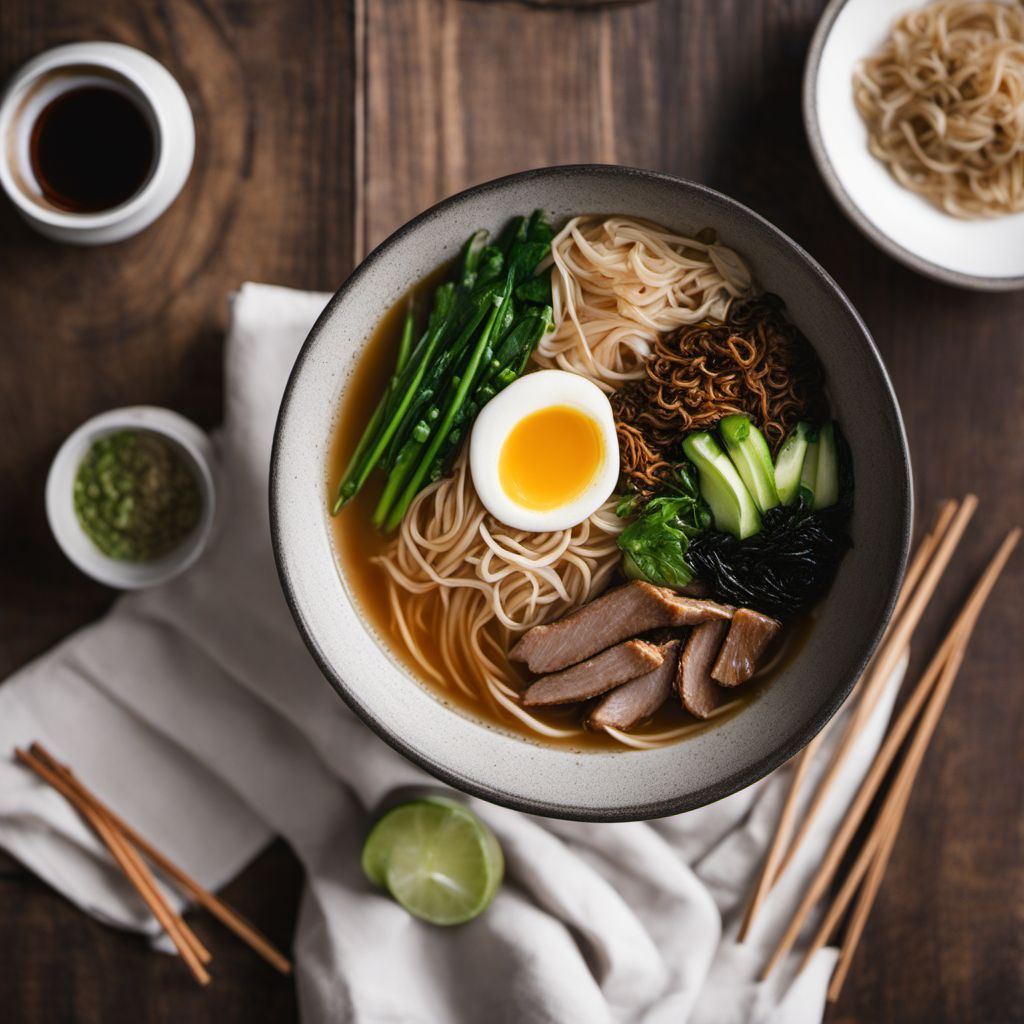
x=884 y=759
x=782 y=831
x=911 y=765
x=924 y=552
x=135 y=871
x=247 y=932
x=770 y=868
x=890 y=814
x=884 y=664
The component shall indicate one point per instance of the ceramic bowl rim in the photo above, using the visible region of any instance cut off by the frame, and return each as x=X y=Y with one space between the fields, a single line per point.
x=736 y=780
x=867 y=227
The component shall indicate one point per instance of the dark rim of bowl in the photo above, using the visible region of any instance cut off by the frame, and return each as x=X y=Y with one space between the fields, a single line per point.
x=737 y=780
x=842 y=197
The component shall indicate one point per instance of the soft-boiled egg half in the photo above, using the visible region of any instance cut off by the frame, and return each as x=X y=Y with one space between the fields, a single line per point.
x=544 y=454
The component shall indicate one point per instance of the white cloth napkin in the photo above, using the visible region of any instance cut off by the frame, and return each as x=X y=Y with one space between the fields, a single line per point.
x=196 y=712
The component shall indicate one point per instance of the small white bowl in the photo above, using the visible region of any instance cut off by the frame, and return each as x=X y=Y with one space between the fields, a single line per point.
x=60 y=506
x=983 y=254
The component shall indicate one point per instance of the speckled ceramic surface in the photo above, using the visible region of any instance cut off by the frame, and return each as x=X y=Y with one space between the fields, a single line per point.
x=504 y=767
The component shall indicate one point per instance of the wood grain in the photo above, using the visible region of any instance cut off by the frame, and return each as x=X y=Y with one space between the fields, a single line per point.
x=455 y=92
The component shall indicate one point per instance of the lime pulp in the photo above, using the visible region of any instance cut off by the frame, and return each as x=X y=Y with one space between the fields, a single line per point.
x=436 y=858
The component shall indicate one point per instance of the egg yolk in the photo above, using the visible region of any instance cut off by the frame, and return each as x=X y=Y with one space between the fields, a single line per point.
x=550 y=457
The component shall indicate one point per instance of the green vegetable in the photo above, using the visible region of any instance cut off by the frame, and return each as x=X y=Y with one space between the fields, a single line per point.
x=731 y=505
x=654 y=546
x=436 y=858
x=459 y=390
x=809 y=474
x=790 y=462
x=480 y=333
x=405 y=345
x=826 y=480
x=752 y=458
x=136 y=496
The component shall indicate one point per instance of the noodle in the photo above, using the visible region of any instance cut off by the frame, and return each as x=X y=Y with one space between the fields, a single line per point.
x=472 y=584
x=943 y=100
x=619 y=284
x=758 y=363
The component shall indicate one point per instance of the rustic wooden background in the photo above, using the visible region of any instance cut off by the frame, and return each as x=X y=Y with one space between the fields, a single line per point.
x=324 y=125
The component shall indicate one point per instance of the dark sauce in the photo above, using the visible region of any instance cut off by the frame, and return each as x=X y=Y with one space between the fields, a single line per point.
x=92 y=149
x=356 y=541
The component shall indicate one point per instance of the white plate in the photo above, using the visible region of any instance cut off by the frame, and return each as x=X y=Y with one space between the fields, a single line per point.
x=985 y=254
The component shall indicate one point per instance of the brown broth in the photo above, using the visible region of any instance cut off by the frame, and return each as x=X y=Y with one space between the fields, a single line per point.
x=357 y=541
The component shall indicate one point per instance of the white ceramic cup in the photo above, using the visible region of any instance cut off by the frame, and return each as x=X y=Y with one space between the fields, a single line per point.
x=134 y=74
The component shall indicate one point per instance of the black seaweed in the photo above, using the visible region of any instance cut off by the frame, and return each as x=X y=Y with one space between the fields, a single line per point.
x=780 y=571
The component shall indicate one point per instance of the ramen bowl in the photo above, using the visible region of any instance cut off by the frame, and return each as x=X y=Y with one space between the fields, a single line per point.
x=479 y=757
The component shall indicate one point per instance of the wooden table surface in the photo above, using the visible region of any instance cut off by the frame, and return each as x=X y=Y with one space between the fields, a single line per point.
x=321 y=127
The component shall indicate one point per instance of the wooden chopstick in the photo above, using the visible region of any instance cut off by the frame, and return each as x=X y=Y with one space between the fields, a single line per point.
x=770 y=869
x=134 y=870
x=923 y=554
x=785 y=824
x=890 y=814
x=884 y=664
x=247 y=932
x=910 y=767
x=862 y=908
x=884 y=759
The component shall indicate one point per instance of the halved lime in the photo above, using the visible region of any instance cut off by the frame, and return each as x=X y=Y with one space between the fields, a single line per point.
x=437 y=859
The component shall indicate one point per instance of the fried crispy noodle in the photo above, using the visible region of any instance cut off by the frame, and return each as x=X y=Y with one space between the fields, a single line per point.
x=758 y=363
x=473 y=585
x=943 y=101
x=618 y=284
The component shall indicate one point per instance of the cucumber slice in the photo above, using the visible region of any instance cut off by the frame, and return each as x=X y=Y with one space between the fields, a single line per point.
x=809 y=474
x=826 y=481
x=730 y=502
x=752 y=458
x=790 y=462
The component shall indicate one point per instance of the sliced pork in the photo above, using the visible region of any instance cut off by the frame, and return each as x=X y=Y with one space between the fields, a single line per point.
x=700 y=694
x=749 y=635
x=596 y=676
x=624 y=612
x=634 y=702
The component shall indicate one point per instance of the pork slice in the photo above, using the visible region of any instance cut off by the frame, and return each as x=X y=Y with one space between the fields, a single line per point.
x=590 y=678
x=750 y=633
x=634 y=702
x=699 y=693
x=621 y=613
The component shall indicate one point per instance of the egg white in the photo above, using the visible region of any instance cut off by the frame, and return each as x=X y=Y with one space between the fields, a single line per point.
x=530 y=394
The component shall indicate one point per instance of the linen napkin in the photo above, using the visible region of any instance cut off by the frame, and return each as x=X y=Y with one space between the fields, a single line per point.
x=196 y=712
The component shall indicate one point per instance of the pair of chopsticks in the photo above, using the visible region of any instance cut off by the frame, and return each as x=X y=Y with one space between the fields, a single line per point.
x=912 y=729
x=128 y=849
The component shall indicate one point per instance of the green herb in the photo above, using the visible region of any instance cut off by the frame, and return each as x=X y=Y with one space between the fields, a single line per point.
x=482 y=328
x=654 y=546
x=136 y=496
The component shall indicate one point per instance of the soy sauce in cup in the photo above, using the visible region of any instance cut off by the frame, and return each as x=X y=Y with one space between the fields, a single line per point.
x=91 y=148
x=96 y=141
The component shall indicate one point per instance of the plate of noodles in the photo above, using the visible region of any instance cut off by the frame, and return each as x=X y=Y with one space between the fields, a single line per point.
x=915 y=114
x=590 y=493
